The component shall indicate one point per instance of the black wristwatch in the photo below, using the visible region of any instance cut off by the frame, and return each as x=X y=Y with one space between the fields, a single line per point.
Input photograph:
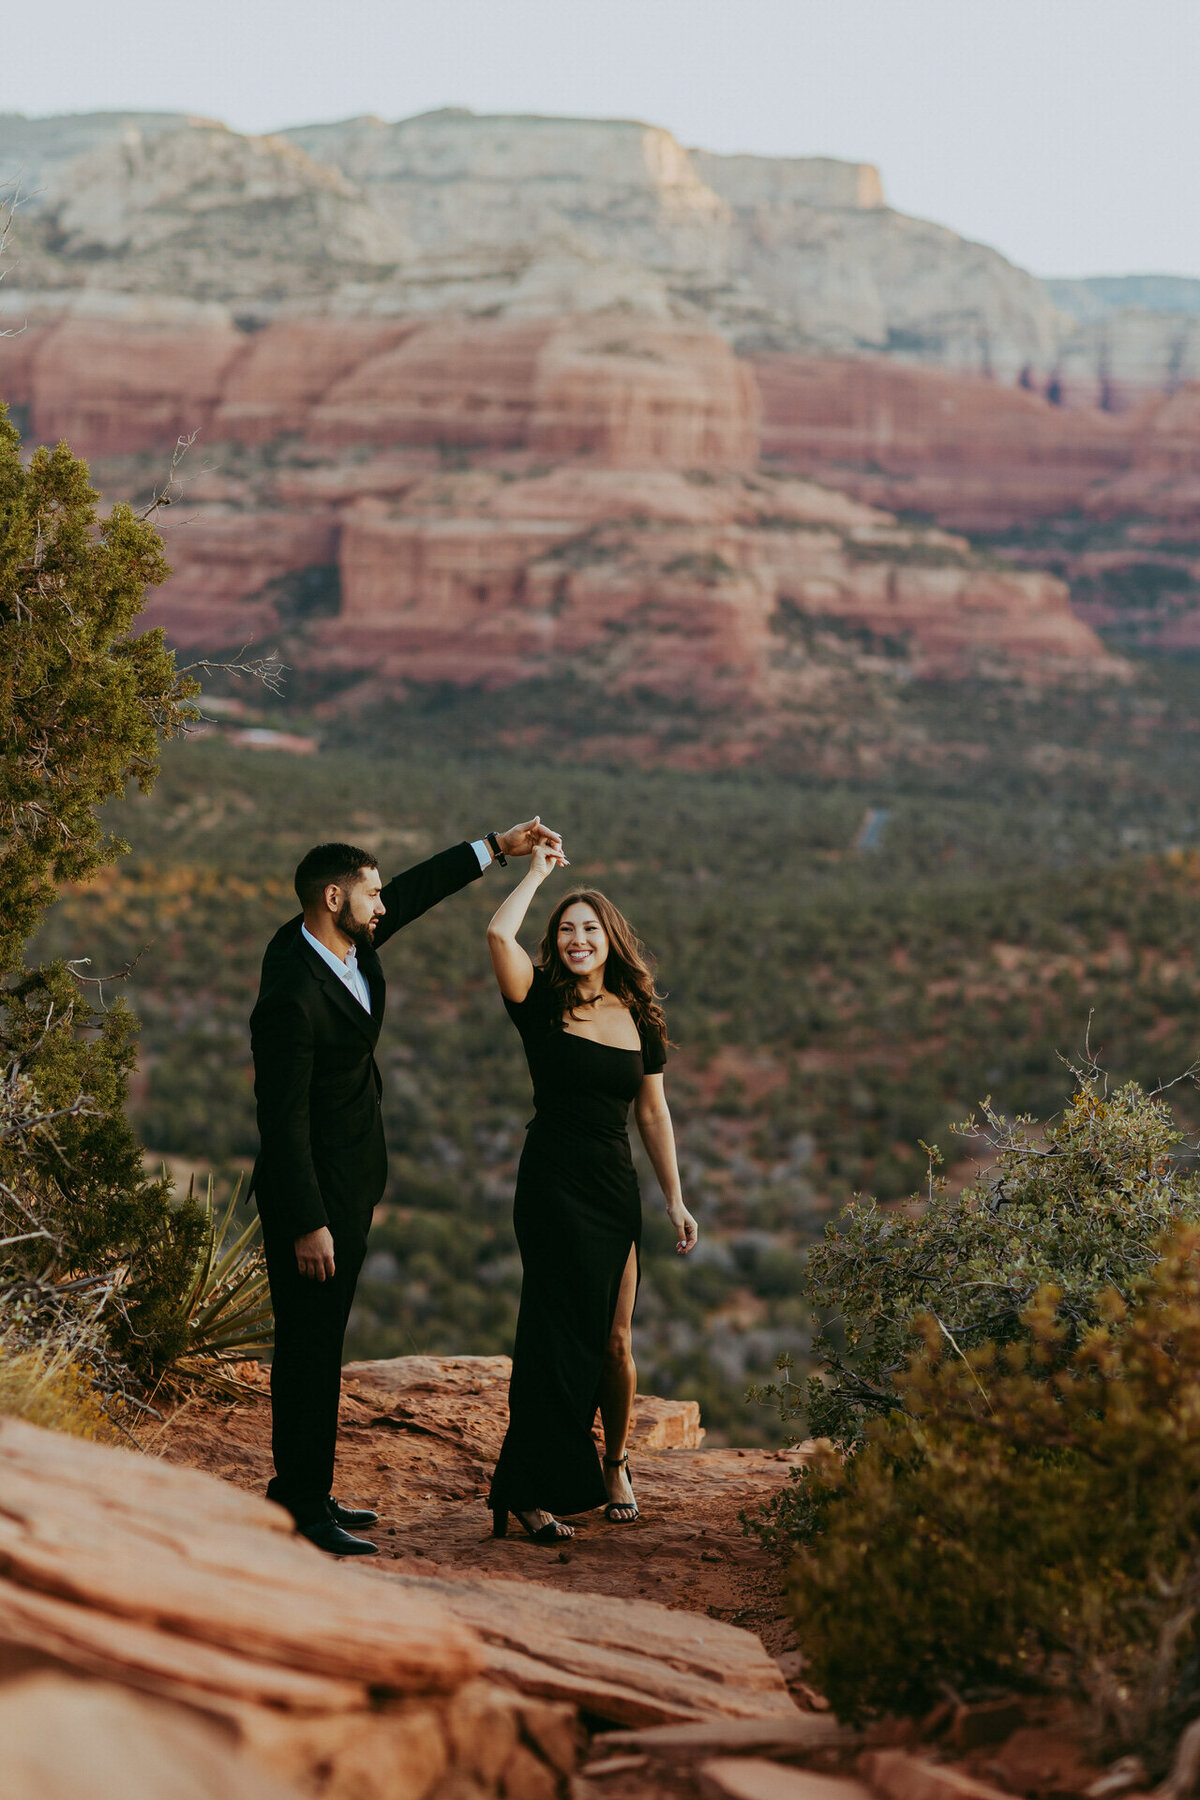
x=493 y=844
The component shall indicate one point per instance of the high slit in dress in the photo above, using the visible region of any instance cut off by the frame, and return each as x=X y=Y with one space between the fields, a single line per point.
x=577 y=1214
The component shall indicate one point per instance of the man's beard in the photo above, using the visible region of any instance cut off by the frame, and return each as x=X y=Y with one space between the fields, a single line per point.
x=360 y=935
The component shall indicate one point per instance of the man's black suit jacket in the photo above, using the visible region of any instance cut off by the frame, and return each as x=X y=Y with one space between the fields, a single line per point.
x=323 y=1159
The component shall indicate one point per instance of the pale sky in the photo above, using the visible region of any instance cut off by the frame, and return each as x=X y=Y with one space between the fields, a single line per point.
x=1064 y=132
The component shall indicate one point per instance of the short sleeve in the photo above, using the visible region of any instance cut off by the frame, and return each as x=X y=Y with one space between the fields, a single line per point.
x=654 y=1052
x=533 y=1013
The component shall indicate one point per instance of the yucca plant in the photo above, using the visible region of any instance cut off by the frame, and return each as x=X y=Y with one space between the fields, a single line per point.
x=227 y=1309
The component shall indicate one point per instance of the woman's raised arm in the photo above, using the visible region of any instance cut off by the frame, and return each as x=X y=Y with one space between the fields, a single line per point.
x=514 y=970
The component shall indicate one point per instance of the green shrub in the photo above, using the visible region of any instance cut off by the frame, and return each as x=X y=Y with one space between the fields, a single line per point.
x=1081 y=1205
x=1029 y=1513
x=85 y=705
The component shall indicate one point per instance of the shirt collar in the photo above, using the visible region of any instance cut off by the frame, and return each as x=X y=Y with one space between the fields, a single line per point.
x=349 y=966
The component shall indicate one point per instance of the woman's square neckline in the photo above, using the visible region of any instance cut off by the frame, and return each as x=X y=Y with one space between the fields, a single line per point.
x=625 y=1049
x=582 y=1038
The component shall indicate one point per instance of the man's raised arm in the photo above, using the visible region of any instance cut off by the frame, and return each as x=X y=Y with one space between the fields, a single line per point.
x=412 y=893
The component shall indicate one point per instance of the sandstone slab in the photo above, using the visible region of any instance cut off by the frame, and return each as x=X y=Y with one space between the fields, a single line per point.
x=799 y=1735
x=74 y=1740
x=392 y=1685
x=895 y=1775
x=194 y=1601
x=130 y=1551
x=463 y=1400
x=630 y=1662
x=753 y=1778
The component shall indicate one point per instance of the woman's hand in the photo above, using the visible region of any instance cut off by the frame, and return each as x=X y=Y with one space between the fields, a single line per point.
x=544 y=859
x=686 y=1229
x=519 y=840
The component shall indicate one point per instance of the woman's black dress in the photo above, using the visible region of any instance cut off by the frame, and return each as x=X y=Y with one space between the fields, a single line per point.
x=577 y=1213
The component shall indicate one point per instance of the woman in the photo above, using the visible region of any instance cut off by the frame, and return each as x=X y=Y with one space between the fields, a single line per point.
x=595 y=1040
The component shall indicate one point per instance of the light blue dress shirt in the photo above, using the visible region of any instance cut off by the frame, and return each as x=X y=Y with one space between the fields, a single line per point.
x=348 y=972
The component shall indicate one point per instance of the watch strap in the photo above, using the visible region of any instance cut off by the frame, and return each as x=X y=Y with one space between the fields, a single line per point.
x=493 y=843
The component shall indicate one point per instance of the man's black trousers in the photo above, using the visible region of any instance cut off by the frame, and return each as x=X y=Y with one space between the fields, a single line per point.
x=306 y=1371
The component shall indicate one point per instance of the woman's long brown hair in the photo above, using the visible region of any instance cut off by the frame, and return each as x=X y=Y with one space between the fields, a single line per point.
x=627 y=973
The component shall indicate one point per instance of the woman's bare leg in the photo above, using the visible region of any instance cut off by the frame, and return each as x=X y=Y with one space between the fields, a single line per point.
x=618 y=1385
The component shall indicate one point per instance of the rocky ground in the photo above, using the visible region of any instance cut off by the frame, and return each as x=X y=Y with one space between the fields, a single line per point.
x=163 y=1632
x=418 y=1439
x=419 y=1436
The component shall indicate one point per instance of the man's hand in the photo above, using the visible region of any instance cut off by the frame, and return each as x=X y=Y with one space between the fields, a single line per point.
x=520 y=840
x=314 y=1254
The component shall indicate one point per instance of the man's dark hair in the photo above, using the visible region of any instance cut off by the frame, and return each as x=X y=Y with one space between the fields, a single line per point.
x=330 y=862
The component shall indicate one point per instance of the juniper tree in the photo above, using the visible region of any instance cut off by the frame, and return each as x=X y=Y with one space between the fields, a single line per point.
x=85 y=704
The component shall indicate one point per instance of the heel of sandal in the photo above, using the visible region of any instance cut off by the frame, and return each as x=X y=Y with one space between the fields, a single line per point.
x=499 y=1521
x=628 y=1507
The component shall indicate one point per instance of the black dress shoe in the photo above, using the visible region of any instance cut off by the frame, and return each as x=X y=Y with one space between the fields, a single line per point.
x=326 y=1535
x=351 y=1518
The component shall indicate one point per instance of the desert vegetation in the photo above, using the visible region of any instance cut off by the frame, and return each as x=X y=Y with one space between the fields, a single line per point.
x=1024 y=1517
x=835 y=1005
x=1006 y=1390
x=97 y=1258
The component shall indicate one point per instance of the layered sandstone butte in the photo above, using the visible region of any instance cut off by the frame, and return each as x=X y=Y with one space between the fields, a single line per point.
x=610 y=521
x=649 y=582
x=624 y=391
x=658 y=584
x=973 y=454
x=537 y=217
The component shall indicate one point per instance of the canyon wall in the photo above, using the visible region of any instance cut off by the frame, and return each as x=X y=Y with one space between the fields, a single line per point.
x=495 y=500
x=624 y=390
x=539 y=217
x=974 y=455
x=653 y=583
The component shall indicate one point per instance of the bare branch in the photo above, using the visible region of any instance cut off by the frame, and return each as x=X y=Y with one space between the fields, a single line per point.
x=9 y=208
x=99 y=981
x=954 y=1345
x=166 y=495
x=1185 y=1770
x=1191 y=1073
x=267 y=669
x=27 y=1125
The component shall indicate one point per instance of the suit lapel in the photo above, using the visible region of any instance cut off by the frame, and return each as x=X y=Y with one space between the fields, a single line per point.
x=342 y=998
x=369 y=964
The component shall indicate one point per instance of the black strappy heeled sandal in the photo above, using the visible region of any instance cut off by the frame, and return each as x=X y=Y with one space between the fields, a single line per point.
x=629 y=1506
x=553 y=1533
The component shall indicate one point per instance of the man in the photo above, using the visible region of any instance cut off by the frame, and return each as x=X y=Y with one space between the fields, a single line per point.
x=322 y=1166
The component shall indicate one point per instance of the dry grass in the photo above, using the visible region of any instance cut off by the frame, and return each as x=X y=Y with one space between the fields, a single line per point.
x=46 y=1386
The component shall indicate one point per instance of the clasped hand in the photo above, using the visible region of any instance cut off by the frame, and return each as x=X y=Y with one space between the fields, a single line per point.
x=535 y=840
